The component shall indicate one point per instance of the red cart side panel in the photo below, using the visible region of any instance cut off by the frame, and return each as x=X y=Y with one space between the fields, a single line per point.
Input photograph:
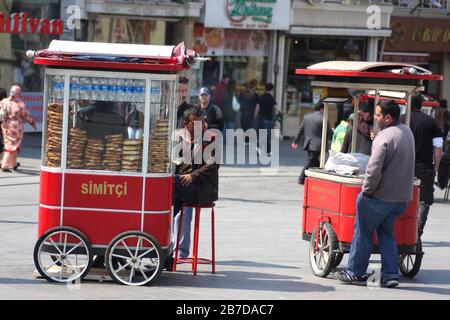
x=349 y=194
x=48 y=219
x=410 y=231
x=158 y=193
x=412 y=211
x=323 y=195
x=102 y=226
x=346 y=226
x=50 y=188
x=103 y=191
x=159 y=227
x=311 y=216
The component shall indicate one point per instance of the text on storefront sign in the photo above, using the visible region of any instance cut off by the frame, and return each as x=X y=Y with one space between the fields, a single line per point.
x=431 y=35
x=238 y=10
x=23 y=23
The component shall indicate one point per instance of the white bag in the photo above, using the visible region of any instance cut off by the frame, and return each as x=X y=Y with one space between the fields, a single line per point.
x=347 y=163
x=236 y=105
x=2 y=113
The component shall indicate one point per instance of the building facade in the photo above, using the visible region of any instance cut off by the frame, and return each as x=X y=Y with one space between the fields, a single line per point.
x=323 y=30
x=421 y=35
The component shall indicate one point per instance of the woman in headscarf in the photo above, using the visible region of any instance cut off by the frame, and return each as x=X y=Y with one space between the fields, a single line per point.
x=365 y=126
x=15 y=113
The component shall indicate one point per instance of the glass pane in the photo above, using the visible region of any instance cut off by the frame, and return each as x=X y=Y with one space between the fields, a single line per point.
x=106 y=124
x=161 y=109
x=53 y=130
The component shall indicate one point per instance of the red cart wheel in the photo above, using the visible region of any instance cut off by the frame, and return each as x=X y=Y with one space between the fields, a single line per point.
x=322 y=252
x=63 y=254
x=409 y=263
x=134 y=258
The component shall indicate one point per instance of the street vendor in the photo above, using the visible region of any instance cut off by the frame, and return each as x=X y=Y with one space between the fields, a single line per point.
x=196 y=181
x=386 y=191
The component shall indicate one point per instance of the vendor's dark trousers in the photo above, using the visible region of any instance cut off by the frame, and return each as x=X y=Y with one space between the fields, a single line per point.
x=426 y=176
x=313 y=161
x=375 y=215
x=184 y=194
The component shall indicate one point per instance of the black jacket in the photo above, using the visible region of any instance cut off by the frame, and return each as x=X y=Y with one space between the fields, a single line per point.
x=205 y=176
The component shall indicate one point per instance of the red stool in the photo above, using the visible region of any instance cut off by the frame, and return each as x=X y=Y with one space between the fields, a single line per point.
x=195 y=260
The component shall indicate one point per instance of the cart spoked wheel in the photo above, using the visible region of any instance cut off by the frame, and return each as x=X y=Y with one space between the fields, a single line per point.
x=134 y=258
x=321 y=252
x=337 y=259
x=63 y=254
x=409 y=263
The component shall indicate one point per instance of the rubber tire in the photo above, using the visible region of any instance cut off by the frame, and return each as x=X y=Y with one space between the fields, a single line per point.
x=135 y=233
x=417 y=262
x=337 y=259
x=45 y=235
x=333 y=247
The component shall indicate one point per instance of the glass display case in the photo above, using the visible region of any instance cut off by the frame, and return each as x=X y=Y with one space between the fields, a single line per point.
x=119 y=123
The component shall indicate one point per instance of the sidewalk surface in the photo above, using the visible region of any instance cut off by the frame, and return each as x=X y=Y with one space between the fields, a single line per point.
x=259 y=251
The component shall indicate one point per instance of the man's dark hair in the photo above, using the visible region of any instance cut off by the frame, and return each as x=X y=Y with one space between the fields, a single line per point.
x=225 y=76
x=416 y=101
x=269 y=86
x=195 y=111
x=183 y=80
x=390 y=107
x=318 y=106
x=3 y=94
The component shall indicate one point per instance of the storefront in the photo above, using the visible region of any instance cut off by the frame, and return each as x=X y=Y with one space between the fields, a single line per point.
x=26 y=25
x=425 y=42
x=141 y=21
x=239 y=38
x=318 y=33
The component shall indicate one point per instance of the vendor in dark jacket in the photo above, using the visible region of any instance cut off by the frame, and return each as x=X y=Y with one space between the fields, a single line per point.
x=196 y=178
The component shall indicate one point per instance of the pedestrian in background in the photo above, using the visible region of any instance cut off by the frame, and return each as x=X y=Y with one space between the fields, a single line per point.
x=15 y=113
x=339 y=133
x=310 y=133
x=219 y=91
x=228 y=111
x=443 y=118
x=183 y=86
x=387 y=189
x=248 y=100
x=3 y=95
x=365 y=126
x=264 y=113
x=428 y=145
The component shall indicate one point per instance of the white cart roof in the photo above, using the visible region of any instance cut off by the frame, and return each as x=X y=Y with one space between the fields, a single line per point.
x=110 y=49
x=363 y=66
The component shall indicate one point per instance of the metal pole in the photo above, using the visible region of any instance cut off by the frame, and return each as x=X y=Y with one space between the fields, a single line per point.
x=323 y=149
x=355 y=124
x=375 y=103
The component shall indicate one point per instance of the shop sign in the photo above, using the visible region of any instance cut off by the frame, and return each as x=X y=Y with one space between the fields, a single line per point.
x=248 y=14
x=426 y=35
x=23 y=23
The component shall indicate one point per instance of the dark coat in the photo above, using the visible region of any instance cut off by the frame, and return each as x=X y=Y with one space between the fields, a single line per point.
x=363 y=144
x=205 y=176
x=310 y=132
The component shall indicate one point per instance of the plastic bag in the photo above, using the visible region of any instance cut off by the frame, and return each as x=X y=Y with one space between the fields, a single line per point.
x=347 y=163
x=236 y=105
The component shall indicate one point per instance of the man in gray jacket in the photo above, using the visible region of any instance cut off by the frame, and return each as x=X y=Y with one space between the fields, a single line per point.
x=310 y=133
x=386 y=190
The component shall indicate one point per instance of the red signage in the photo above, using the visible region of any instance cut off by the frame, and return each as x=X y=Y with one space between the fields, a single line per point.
x=23 y=23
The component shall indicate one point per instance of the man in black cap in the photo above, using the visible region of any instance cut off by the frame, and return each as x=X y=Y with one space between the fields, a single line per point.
x=428 y=145
x=365 y=125
x=213 y=115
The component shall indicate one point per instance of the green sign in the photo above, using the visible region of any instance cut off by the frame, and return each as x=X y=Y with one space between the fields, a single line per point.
x=239 y=10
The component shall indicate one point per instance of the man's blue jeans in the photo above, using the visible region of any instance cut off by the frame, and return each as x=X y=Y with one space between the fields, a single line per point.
x=375 y=215
x=266 y=124
x=185 y=237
